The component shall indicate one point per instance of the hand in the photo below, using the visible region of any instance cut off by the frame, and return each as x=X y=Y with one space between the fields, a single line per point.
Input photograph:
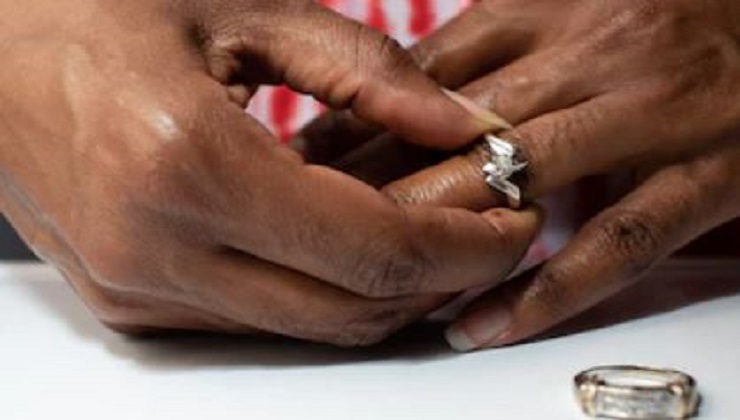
x=128 y=162
x=593 y=88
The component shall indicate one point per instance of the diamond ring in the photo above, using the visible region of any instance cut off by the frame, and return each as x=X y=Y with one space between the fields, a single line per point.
x=505 y=161
x=633 y=392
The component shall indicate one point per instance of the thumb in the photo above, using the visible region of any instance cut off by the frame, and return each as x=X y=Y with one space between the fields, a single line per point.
x=343 y=64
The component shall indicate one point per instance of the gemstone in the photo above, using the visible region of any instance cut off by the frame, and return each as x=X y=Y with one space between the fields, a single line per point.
x=646 y=404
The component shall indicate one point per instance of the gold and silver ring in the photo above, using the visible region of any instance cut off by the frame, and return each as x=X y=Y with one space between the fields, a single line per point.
x=633 y=392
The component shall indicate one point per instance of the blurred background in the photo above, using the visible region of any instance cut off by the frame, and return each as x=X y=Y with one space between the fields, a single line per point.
x=11 y=247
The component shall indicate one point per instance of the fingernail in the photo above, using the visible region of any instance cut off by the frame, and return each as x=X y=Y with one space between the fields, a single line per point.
x=490 y=118
x=479 y=330
x=459 y=340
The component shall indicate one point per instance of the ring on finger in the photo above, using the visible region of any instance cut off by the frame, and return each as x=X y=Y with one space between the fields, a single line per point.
x=504 y=161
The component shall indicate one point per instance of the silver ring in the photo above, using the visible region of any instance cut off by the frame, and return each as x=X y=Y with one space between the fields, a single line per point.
x=633 y=392
x=505 y=161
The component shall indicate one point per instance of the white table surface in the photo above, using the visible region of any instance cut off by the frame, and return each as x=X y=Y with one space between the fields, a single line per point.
x=57 y=362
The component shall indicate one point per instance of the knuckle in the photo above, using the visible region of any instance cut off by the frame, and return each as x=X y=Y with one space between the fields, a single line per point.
x=501 y=232
x=356 y=322
x=112 y=262
x=391 y=51
x=134 y=248
x=510 y=86
x=710 y=185
x=707 y=71
x=125 y=263
x=392 y=269
x=427 y=56
x=222 y=48
x=369 y=328
x=550 y=291
x=725 y=178
x=104 y=303
x=535 y=144
x=640 y=16
x=391 y=56
x=645 y=12
x=108 y=308
x=226 y=20
x=711 y=172
x=635 y=238
x=648 y=25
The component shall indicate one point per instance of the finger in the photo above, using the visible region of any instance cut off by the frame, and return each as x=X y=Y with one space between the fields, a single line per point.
x=469 y=46
x=545 y=81
x=539 y=84
x=333 y=135
x=610 y=253
x=337 y=139
x=605 y=129
x=616 y=130
x=251 y=291
x=338 y=229
x=476 y=42
x=387 y=159
x=350 y=67
x=457 y=182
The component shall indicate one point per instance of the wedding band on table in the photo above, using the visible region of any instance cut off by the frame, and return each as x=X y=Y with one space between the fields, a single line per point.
x=632 y=392
x=505 y=160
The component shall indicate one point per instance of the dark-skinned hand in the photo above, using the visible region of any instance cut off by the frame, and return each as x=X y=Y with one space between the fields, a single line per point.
x=647 y=87
x=127 y=161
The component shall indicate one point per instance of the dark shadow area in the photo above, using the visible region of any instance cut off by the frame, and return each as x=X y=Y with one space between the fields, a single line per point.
x=419 y=343
x=11 y=246
x=669 y=288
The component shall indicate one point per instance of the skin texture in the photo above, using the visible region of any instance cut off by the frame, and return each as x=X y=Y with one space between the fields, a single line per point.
x=126 y=160
x=648 y=87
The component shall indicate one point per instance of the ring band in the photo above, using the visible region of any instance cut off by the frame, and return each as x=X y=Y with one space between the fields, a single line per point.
x=504 y=162
x=633 y=392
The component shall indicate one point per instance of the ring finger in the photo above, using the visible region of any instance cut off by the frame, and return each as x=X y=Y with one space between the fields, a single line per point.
x=599 y=136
